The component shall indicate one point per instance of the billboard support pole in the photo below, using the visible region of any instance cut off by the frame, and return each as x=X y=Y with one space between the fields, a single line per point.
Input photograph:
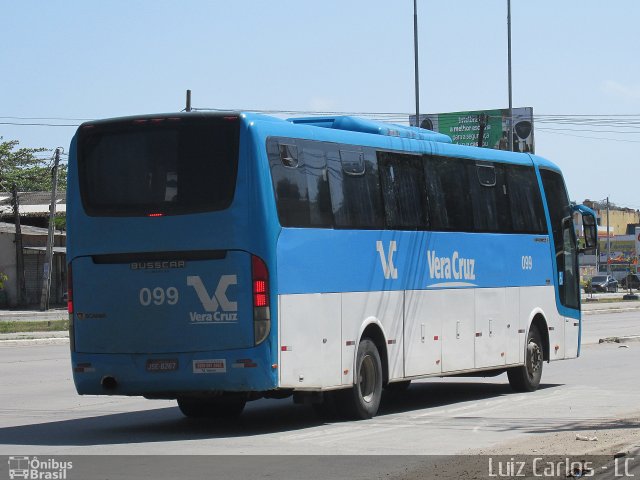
x=415 y=50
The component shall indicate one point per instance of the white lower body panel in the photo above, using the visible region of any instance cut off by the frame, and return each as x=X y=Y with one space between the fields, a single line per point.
x=426 y=332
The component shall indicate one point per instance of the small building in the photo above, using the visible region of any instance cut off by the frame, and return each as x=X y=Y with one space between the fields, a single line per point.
x=34 y=207
x=34 y=241
x=621 y=220
x=34 y=219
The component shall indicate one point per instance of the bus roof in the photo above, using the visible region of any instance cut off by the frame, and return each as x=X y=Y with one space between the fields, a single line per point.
x=356 y=124
x=389 y=134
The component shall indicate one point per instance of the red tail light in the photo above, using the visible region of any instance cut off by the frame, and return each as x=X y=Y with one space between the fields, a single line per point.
x=69 y=290
x=260 y=279
x=261 y=310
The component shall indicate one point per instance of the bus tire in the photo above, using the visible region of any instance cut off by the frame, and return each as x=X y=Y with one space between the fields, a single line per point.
x=362 y=401
x=526 y=378
x=211 y=408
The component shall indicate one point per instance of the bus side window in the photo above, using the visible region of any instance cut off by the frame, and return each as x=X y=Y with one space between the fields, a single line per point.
x=298 y=172
x=448 y=193
x=403 y=190
x=525 y=201
x=489 y=198
x=355 y=188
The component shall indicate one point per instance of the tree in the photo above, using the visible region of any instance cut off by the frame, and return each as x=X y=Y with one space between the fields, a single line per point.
x=23 y=167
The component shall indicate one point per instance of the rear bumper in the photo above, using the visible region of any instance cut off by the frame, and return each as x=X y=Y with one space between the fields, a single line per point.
x=170 y=375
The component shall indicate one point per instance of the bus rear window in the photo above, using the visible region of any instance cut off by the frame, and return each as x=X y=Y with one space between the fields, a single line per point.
x=158 y=166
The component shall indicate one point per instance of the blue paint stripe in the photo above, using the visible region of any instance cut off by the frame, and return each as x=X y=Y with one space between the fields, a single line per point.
x=324 y=261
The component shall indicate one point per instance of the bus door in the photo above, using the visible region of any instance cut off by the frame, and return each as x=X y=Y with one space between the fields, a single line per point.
x=567 y=281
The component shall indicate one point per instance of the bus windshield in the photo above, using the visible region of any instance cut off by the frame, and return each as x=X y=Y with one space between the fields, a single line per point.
x=159 y=166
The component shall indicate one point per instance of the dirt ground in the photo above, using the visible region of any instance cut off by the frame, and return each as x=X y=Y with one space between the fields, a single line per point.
x=604 y=441
x=612 y=437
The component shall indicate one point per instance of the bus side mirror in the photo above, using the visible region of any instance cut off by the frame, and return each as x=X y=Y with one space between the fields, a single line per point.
x=589 y=228
x=590 y=233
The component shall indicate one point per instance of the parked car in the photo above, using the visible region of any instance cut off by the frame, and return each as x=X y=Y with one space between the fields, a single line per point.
x=604 y=283
x=632 y=280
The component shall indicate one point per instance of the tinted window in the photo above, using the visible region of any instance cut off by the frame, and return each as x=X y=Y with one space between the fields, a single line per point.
x=448 y=193
x=300 y=182
x=322 y=184
x=563 y=237
x=355 y=188
x=525 y=202
x=168 y=166
x=403 y=190
x=489 y=201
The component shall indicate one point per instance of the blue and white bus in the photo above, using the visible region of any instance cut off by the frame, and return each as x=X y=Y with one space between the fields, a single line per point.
x=216 y=258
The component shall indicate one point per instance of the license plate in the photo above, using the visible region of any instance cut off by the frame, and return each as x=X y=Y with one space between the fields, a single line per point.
x=162 y=365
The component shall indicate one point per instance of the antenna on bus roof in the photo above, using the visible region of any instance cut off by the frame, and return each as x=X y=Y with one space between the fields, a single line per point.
x=188 y=108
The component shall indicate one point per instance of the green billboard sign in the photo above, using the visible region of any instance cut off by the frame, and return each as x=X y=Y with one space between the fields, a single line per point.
x=464 y=128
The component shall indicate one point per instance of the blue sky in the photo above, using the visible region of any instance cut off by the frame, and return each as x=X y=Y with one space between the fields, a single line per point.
x=91 y=59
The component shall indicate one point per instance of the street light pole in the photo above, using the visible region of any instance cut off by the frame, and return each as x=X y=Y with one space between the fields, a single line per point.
x=415 y=50
x=510 y=120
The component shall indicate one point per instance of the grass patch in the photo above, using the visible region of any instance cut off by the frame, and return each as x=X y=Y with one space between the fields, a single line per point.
x=604 y=300
x=41 y=326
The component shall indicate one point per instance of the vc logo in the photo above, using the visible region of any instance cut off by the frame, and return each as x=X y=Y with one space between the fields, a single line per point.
x=212 y=303
x=390 y=271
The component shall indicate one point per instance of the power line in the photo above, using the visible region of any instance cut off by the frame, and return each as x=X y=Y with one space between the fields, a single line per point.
x=554 y=132
x=624 y=124
x=41 y=124
x=47 y=118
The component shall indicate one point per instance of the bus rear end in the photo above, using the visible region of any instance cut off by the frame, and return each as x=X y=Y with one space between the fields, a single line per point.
x=169 y=288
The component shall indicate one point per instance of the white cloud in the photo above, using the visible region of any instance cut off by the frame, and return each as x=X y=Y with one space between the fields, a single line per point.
x=627 y=92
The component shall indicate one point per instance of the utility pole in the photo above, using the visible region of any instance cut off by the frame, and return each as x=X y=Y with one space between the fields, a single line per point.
x=22 y=289
x=48 y=259
x=415 y=50
x=510 y=121
x=188 y=106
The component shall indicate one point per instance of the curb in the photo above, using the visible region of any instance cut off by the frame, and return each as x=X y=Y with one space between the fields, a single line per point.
x=34 y=338
x=34 y=341
x=609 y=310
x=33 y=316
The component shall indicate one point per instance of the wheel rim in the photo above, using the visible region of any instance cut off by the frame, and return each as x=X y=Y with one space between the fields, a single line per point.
x=534 y=359
x=367 y=378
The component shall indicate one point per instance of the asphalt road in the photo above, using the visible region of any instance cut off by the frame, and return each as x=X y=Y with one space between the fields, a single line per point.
x=40 y=414
x=595 y=325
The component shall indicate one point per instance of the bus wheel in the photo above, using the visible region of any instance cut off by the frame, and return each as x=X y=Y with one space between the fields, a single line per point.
x=526 y=378
x=211 y=408
x=362 y=401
